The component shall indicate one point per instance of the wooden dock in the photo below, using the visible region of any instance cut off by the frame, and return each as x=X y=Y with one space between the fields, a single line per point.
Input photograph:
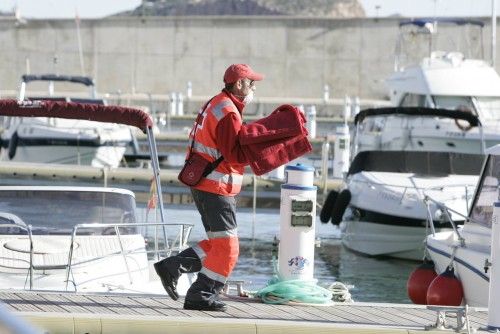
x=57 y=312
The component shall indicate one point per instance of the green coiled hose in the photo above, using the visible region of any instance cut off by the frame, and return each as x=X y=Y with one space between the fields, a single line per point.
x=279 y=291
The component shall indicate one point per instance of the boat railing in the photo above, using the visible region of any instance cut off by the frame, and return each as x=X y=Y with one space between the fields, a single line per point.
x=178 y=244
x=407 y=189
x=446 y=214
x=15 y=221
x=161 y=246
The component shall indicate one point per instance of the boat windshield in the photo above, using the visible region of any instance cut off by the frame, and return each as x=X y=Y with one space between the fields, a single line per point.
x=462 y=103
x=486 y=107
x=486 y=193
x=56 y=212
x=421 y=163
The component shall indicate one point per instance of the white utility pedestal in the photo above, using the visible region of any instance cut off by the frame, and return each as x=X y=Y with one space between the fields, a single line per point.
x=341 y=151
x=297 y=224
x=173 y=104
x=311 y=121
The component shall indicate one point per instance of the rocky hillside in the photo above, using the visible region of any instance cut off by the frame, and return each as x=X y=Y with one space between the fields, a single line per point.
x=316 y=8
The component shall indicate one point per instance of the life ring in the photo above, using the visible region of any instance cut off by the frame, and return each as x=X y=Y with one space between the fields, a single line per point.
x=14 y=140
x=458 y=122
x=326 y=210
x=461 y=126
x=340 y=205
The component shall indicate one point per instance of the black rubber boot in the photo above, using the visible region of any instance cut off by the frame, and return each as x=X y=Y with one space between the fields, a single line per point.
x=171 y=268
x=203 y=295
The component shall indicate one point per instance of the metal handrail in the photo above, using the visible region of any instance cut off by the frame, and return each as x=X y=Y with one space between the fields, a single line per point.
x=446 y=210
x=19 y=223
x=413 y=187
x=182 y=241
x=467 y=218
x=405 y=188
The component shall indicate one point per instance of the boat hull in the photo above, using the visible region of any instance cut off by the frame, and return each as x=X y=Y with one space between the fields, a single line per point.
x=96 y=156
x=66 y=142
x=468 y=263
x=387 y=216
x=97 y=265
x=374 y=239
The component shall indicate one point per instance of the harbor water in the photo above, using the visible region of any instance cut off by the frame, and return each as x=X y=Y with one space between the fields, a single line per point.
x=368 y=279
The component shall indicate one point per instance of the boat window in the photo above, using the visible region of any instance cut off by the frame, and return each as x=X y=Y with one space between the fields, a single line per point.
x=422 y=163
x=413 y=100
x=462 y=103
x=486 y=194
x=489 y=107
x=83 y=100
x=372 y=124
x=56 y=212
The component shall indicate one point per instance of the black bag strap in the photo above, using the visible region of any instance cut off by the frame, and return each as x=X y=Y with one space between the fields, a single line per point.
x=212 y=166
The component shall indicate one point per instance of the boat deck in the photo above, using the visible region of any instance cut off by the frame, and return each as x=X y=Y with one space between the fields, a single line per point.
x=58 y=312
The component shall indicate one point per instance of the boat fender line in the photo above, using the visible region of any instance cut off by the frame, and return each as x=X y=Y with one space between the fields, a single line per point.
x=326 y=210
x=340 y=292
x=340 y=205
x=14 y=139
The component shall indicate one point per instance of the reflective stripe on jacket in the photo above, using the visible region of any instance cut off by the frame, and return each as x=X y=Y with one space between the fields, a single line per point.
x=227 y=178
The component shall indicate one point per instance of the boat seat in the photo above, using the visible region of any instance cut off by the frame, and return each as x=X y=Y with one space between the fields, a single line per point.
x=51 y=252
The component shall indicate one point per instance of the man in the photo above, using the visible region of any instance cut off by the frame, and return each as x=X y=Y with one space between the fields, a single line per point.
x=215 y=135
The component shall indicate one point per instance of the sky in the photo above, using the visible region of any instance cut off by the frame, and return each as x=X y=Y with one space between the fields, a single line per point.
x=429 y=8
x=67 y=8
x=373 y=8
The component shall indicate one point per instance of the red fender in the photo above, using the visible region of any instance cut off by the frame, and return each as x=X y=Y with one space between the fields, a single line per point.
x=419 y=282
x=446 y=290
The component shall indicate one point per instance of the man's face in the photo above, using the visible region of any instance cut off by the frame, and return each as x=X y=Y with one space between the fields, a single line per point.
x=245 y=86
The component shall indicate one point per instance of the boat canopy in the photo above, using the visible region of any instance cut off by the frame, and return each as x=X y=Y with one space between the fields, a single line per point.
x=421 y=22
x=418 y=111
x=72 y=110
x=87 y=81
x=423 y=163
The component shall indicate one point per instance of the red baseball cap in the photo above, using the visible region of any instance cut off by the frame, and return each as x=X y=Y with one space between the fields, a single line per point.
x=240 y=71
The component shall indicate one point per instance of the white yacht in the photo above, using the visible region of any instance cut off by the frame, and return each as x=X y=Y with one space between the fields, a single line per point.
x=449 y=74
x=84 y=239
x=436 y=68
x=81 y=239
x=468 y=248
x=64 y=141
x=381 y=211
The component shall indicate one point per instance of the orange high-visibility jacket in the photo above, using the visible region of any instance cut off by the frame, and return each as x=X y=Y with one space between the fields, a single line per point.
x=227 y=178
